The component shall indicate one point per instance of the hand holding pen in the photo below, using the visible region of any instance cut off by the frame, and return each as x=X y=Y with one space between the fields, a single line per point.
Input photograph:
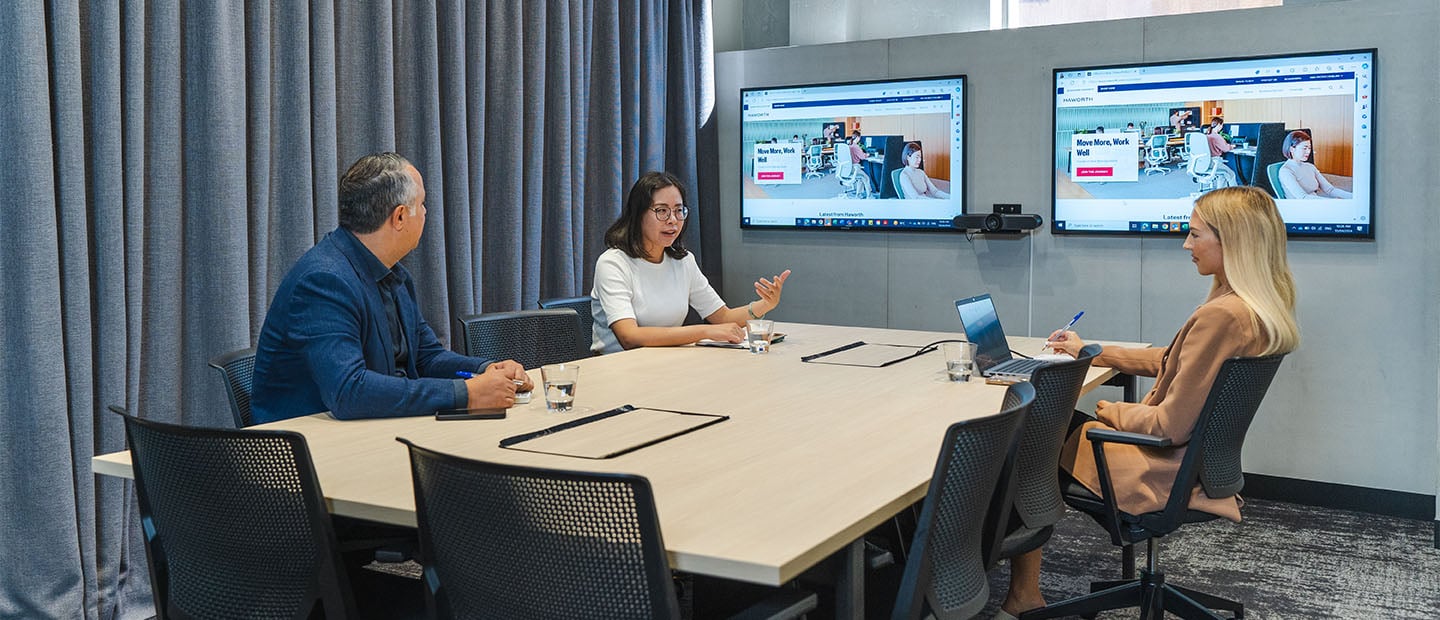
x=1064 y=340
x=513 y=370
x=493 y=389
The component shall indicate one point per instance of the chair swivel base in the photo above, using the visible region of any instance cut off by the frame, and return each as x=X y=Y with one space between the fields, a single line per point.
x=1150 y=593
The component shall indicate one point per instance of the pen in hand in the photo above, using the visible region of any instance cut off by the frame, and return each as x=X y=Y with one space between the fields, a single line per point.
x=1062 y=330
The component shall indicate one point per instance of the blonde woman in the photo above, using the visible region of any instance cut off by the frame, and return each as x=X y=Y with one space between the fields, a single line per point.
x=1237 y=238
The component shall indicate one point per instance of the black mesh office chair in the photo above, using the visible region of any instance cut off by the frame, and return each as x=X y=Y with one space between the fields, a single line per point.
x=506 y=541
x=1212 y=459
x=1037 y=504
x=235 y=525
x=956 y=537
x=531 y=337
x=236 y=369
x=581 y=306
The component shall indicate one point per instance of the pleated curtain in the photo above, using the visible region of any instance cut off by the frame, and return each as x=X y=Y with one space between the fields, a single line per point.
x=166 y=162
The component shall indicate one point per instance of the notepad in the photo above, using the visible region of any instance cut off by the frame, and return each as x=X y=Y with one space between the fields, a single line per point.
x=611 y=433
x=706 y=342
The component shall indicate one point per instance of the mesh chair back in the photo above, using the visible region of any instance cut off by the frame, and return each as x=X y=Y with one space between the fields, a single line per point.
x=581 y=306
x=504 y=541
x=1037 y=489
x=531 y=337
x=1234 y=398
x=235 y=525
x=950 y=553
x=237 y=368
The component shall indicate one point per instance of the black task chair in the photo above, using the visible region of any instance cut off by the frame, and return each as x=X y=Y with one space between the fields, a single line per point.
x=236 y=369
x=1212 y=459
x=956 y=537
x=581 y=306
x=507 y=541
x=235 y=525
x=531 y=337
x=1037 y=505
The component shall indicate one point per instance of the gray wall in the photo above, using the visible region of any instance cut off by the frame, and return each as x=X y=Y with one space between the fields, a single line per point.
x=1332 y=415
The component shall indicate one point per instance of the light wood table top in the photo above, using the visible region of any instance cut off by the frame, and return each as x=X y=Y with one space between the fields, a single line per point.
x=812 y=457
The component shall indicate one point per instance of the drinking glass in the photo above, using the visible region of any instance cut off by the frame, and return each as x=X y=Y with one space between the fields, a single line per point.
x=758 y=333
x=559 y=380
x=959 y=360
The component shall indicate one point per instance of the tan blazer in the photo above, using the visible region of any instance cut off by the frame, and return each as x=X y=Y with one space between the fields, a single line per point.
x=1221 y=328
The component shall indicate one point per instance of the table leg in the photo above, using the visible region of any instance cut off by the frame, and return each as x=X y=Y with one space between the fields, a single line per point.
x=1130 y=384
x=850 y=584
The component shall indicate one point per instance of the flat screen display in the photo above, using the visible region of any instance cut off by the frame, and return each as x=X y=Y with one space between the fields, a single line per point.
x=1136 y=144
x=881 y=155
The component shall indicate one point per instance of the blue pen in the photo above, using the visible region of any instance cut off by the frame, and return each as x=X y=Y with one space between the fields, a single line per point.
x=1065 y=329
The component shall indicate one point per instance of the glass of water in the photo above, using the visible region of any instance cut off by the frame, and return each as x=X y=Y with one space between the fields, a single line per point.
x=959 y=360
x=559 y=380
x=758 y=333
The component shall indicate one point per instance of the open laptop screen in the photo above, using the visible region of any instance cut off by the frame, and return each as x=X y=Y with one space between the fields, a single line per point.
x=982 y=327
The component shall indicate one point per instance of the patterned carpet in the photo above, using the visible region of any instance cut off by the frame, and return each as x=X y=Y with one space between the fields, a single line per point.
x=1283 y=561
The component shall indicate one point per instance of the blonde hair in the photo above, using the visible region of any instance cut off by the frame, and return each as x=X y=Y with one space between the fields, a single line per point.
x=1252 y=244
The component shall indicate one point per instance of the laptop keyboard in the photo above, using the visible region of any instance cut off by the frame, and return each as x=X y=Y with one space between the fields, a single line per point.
x=1018 y=367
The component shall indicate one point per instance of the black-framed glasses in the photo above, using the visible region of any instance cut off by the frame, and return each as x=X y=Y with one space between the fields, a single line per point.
x=664 y=213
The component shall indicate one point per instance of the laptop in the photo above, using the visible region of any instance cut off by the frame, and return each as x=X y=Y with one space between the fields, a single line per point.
x=992 y=351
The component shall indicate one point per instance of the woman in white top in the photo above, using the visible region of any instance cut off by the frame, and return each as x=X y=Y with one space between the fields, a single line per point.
x=913 y=181
x=646 y=282
x=1298 y=177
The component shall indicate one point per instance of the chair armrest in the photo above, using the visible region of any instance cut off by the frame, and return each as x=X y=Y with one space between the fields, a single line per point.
x=1134 y=439
x=785 y=603
x=1098 y=438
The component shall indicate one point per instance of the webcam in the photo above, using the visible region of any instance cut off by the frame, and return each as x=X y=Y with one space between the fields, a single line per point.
x=1006 y=219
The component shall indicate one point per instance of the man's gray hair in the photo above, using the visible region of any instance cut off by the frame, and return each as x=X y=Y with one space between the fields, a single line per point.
x=371 y=189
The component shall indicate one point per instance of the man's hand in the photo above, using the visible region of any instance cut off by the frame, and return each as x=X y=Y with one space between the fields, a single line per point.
x=493 y=389
x=513 y=370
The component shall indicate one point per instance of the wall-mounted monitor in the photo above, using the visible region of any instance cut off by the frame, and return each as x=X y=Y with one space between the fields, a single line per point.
x=1299 y=126
x=878 y=155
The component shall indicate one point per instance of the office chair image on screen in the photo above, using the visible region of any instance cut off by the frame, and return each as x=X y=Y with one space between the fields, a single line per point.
x=854 y=183
x=1210 y=172
x=1157 y=155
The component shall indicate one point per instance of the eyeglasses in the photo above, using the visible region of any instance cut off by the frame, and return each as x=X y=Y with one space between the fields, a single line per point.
x=664 y=214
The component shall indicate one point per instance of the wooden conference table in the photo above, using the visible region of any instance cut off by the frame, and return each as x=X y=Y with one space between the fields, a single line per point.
x=812 y=457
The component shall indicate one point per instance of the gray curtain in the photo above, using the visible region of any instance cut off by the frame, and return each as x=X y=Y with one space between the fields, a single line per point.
x=168 y=161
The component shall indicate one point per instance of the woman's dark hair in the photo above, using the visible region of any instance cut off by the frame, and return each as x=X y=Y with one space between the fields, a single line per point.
x=626 y=235
x=1291 y=139
x=910 y=149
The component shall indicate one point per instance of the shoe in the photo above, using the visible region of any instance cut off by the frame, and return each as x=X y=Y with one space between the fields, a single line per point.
x=1001 y=614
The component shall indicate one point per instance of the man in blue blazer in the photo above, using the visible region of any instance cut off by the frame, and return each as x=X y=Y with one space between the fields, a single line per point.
x=344 y=333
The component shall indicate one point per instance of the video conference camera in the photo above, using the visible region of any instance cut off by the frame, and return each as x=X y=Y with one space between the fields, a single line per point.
x=1006 y=219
